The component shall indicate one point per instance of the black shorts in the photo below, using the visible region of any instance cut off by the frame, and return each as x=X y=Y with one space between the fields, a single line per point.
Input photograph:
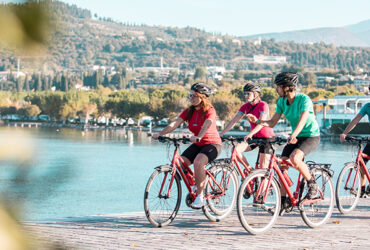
x=366 y=151
x=305 y=144
x=210 y=150
x=264 y=149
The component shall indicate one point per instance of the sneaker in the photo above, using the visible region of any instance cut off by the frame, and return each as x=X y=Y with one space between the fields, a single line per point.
x=246 y=194
x=285 y=203
x=312 y=190
x=368 y=190
x=363 y=192
x=198 y=202
x=259 y=200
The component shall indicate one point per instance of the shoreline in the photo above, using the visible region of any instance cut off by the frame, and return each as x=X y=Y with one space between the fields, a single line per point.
x=179 y=131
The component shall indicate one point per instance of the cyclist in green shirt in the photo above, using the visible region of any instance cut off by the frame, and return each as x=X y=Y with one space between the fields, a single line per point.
x=305 y=138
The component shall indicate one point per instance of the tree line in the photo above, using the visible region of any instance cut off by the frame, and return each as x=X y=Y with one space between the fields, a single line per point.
x=160 y=103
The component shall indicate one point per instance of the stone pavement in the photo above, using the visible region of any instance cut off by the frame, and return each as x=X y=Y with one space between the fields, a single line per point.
x=192 y=230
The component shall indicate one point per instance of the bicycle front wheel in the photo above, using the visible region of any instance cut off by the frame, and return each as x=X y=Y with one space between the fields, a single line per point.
x=161 y=204
x=258 y=214
x=220 y=192
x=348 y=188
x=318 y=212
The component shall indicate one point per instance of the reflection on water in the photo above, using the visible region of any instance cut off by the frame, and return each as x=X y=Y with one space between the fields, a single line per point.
x=79 y=173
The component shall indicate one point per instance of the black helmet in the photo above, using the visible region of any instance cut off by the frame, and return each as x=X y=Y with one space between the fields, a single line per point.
x=287 y=79
x=255 y=87
x=202 y=88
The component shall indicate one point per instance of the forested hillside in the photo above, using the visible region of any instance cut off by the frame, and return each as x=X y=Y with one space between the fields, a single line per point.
x=84 y=40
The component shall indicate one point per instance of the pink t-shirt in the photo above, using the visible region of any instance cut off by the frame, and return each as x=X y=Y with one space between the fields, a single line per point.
x=258 y=110
x=196 y=123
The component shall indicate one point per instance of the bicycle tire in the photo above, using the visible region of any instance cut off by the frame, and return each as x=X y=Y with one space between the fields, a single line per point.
x=257 y=218
x=161 y=211
x=219 y=207
x=318 y=213
x=347 y=199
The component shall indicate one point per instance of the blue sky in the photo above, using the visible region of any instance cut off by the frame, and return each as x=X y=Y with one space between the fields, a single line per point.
x=233 y=17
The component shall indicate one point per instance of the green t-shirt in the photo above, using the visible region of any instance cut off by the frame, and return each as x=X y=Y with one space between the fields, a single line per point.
x=365 y=110
x=292 y=113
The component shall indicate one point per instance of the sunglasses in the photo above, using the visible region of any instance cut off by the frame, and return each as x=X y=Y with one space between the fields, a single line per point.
x=192 y=95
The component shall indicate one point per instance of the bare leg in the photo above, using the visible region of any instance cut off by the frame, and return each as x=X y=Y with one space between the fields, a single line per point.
x=200 y=175
x=296 y=158
x=186 y=160
x=240 y=148
x=264 y=160
x=283 y=167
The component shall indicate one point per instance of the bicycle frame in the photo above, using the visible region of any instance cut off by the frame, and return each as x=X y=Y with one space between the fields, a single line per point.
x=360 y=166
x=235 y=159
x=178 y=164
x=293 y=196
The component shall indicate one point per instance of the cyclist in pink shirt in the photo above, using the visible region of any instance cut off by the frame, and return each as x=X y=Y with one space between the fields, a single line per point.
x=201 y=119
x=260 y=109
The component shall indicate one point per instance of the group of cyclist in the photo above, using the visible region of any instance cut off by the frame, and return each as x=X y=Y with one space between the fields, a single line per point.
x=297 y=109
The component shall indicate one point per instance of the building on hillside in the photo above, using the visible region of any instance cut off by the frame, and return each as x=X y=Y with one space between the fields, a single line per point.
x=362 y=83
x=216 y=72
x=4 y=75
x=269 y=59
x=340 y=109
x=322 y=81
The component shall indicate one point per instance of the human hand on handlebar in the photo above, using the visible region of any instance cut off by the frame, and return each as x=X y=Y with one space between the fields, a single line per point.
x=252 y=118
x=342 y=137
x=292 y=139
x=247 y=137
x=194 y=139
x=155 y=136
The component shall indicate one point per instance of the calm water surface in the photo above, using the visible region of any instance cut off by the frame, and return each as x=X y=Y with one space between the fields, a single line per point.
x=77 y=173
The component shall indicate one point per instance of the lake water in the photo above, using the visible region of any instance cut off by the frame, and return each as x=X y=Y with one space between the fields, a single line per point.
x=80 y=173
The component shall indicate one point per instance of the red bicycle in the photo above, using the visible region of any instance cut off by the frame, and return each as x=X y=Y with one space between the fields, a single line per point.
x=163 y=192
x=349 y=182
x=235 y=159
x=258 y=202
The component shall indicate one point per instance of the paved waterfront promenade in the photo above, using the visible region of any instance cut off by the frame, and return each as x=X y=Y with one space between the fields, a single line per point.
x=191 y=230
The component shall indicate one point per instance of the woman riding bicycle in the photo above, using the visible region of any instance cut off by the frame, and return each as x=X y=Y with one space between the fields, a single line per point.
x=305 y=138
x=260 y=109
x=201 y=119
x=365 y=110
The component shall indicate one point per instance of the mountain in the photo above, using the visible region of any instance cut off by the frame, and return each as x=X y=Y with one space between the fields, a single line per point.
x=351 y=35
x=84 y=41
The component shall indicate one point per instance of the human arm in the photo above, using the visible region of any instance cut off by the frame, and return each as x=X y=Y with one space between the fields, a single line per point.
x=350 y=126
x=266 y=123
x=257 y=128
x=171 y=127
x=236 y=118
x=301 y=122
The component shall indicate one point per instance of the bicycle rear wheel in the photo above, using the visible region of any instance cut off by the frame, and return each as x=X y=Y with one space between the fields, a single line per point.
x=161 y=209
x=348 y=188
x=258 y=214
x=317 y=213
x=220 y=202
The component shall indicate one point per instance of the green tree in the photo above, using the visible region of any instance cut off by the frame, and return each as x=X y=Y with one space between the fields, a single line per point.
x=200 y=73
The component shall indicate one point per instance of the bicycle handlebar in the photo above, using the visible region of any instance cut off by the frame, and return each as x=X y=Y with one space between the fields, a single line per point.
x=359 y=139
x=183 y=140
x=264 y=141
x=232 y=139
x=255 y=141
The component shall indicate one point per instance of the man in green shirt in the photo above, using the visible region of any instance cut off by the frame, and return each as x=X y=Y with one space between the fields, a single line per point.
x=305 y=138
